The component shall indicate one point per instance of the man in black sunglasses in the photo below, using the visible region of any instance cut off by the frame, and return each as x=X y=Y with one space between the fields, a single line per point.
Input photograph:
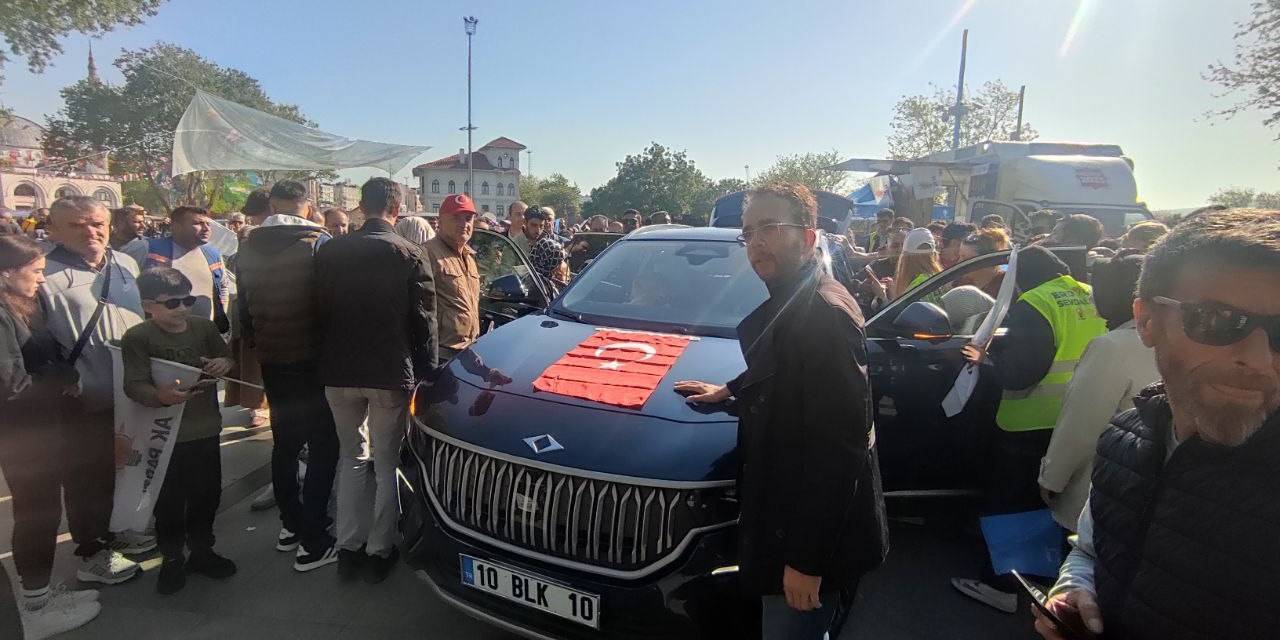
x=1181 y=536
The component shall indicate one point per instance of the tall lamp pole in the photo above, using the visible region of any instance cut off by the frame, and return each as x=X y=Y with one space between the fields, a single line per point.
x=469 y=22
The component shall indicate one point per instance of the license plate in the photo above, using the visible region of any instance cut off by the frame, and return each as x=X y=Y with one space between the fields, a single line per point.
x=531 y=591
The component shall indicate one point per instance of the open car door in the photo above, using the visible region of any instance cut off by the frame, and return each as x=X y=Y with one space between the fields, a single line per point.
x=915 y=356
x=509 y=287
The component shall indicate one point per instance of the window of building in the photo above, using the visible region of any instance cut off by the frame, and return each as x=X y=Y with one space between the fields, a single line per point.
x=502 y=209
x=452 y=187
x=484 y=208
x=24 y=191
x=435 y=186
x=106 y=197
x=63 y=192
x=499 y=188
x=511 y=189
x=466 y=187
x=435 y=208
x=484 y=188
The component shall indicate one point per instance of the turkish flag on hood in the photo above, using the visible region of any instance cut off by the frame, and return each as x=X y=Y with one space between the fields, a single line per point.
x=621 y=368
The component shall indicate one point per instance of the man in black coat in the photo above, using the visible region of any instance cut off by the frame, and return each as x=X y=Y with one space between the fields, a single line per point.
x=1180 y=538
x=812 y=512
x=377 y=335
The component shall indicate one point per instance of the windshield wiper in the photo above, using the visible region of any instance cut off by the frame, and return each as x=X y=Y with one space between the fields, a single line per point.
x=576 y=317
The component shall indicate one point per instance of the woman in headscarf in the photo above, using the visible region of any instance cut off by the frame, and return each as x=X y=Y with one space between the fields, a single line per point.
x=548 y=258
x=415 y=229
x=32 y=378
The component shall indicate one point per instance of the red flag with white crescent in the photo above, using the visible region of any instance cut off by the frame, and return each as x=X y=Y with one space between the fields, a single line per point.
x=621 y=368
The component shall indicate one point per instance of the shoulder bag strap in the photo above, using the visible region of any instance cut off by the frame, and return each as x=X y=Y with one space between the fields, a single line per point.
x=85 y=333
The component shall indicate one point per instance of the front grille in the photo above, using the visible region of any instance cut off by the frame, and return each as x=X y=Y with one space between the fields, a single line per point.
x=605 y=523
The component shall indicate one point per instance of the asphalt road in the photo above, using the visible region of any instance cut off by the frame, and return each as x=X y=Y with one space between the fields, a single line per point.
x=907 y=599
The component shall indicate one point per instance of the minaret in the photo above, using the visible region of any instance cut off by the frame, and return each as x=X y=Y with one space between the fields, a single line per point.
x=93 y=68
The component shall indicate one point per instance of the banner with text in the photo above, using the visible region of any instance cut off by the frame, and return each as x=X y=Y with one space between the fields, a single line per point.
x=144 y=439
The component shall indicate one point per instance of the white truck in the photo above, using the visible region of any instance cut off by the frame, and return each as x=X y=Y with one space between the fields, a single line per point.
x=1014 y=179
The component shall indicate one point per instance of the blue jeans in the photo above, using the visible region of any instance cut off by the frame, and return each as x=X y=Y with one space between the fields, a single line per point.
x=778 y=621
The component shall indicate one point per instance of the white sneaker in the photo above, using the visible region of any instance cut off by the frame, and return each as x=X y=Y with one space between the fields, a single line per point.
x=75 y=595
x=266 y=499
x=986 y=594
x=107 y=567
x=61 y=612
x=287 y=540
x=132 y=542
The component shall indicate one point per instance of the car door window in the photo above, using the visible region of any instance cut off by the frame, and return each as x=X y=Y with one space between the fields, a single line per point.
x=496 y=257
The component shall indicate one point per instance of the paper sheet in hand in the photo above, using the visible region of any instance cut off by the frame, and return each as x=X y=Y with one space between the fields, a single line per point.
x=146 y=436
x=960 y=392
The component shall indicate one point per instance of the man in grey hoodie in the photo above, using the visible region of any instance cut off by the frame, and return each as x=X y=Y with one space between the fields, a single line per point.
x=80 y=268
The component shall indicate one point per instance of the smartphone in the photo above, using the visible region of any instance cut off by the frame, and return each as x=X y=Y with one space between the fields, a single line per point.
x=1040 y=600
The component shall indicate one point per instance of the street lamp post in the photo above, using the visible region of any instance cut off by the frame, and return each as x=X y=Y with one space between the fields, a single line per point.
x=469 y=23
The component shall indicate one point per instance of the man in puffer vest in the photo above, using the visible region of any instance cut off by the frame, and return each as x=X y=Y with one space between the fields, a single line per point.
x=1181 y=535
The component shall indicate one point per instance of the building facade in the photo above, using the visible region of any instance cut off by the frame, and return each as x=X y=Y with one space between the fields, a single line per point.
x=29 y=180
x=346 y=196
x=496 y=166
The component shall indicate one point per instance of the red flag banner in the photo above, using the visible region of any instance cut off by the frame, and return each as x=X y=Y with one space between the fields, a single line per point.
x=621 y=368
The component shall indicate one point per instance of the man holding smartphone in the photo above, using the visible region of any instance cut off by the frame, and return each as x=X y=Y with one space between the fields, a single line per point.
x=1181 y=535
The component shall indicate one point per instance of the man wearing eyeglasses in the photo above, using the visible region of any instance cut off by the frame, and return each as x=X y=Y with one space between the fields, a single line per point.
x=812 y=513
x=1181 y=535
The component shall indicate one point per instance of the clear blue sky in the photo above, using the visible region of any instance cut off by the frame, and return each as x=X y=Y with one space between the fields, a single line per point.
x=732 y=82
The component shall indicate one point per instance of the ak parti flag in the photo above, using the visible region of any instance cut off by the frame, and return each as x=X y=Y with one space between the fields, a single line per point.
x=621 y=368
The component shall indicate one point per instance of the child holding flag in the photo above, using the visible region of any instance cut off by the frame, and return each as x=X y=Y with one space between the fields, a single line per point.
x=188 y=499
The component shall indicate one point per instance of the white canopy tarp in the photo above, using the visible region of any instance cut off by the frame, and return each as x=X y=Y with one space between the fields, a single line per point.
x=216 y=134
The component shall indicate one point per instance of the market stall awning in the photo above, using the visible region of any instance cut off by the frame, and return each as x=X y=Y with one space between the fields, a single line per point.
x=216 y=134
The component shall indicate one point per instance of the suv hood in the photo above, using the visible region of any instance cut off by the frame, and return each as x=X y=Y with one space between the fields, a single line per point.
x=523 y=349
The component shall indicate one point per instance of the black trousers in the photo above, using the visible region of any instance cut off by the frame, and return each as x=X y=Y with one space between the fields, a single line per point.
x=31 y=454
x=188 y=500
x=89 y=475
x=300 y=415
x=1012 y=484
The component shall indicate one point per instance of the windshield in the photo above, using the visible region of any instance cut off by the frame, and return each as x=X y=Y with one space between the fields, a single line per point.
x=693 y=286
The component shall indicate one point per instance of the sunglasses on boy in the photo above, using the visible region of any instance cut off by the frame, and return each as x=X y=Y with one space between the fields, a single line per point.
x=1218 y=325
x=174 y=303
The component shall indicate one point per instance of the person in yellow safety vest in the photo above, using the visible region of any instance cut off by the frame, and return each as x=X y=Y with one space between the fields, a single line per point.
x=881 y=233
x=1049 y=326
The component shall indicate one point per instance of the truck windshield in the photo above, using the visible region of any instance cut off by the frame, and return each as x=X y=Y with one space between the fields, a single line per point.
x=682 y=286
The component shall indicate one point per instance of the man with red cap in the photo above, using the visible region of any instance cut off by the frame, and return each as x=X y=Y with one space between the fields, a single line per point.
x=457 y=279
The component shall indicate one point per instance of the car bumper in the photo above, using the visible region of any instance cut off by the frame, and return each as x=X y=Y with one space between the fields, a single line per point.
x=683 y=601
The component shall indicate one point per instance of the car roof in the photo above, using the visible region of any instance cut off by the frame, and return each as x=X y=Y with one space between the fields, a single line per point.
x=682 y=232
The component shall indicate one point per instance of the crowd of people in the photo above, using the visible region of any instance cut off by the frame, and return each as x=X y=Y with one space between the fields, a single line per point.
x=1139 y=380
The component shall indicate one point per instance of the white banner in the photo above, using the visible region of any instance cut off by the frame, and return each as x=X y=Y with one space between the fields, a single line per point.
x=968 y=379
x=145 y=436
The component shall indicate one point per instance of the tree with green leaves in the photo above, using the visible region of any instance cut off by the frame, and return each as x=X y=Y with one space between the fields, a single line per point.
x=32 y=28
x=1255 y=72
x=809 y=169
x=135 y=121
x=922 y=125
x=657 y=179
x=555 y=191
x=1241 y=197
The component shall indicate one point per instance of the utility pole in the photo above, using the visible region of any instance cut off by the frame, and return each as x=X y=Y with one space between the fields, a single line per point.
x=957 y=112
x=469 y=23
x=528 y=165
x=1022 y=96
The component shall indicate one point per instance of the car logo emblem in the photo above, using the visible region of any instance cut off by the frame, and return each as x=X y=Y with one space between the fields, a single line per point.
x=543 y=443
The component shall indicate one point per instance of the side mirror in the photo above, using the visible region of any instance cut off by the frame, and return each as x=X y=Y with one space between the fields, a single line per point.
x=508 y=288
x=923 y=320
